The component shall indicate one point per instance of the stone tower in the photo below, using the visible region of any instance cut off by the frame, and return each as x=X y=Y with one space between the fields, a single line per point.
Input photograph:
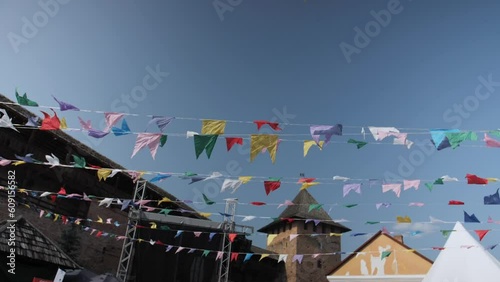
x=292 y=221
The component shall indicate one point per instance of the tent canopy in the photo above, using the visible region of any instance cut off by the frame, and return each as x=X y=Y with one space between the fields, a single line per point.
x=463 y=259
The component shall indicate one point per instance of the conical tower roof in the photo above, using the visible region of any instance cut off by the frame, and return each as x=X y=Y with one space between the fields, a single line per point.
x=300 y=209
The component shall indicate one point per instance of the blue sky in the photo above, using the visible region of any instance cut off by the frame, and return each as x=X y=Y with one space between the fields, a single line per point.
x=261 y=59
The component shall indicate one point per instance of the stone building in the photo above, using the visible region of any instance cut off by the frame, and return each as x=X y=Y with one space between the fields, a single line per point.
x=297 y=219
x=101 y=254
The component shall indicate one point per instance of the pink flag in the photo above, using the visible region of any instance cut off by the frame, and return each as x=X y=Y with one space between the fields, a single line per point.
x=490 y=142
x=287 y=203
x=111 y=120
x=396 y=188
x=416 y=204
x=219 y=255
x=152 y=140
x=356 y=187
x=411 y=183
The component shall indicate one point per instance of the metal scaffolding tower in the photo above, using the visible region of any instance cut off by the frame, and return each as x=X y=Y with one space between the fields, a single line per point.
x=127 y=256
x=228 y=226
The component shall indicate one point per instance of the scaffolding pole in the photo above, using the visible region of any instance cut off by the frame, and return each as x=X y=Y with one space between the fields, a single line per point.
x=228 y=226
x=127 y=255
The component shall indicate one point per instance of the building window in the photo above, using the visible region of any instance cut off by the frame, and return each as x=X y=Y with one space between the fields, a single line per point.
x=289 y=226
x=315 y=227
x=305 y=226
x=319 y=264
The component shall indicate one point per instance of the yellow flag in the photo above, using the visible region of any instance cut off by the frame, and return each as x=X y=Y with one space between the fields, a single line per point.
x=22 y=190
x=63 y=124
x=56 y=216
x=103 y=173
x=164 y=200
x=263 y=256
x=16 y=163
x=492 y=179
x=99 y=220
x=211 y=126
x=309 y=143
x=140 y=240
x=405 y=219
x=336 y=234
x=258 y=142
x=153 y=225
x=244 y=179
x=306 y=185
x=205 y=214
x=270 y=238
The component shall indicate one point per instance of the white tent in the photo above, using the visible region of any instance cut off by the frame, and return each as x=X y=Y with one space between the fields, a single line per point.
x=463 y=259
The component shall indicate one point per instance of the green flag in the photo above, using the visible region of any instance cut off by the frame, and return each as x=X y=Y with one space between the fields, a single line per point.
x=205 y=253
x=163 y=140
x=385 y=254
x=359 y=144
x=446 y=233
x=314 y=207
x=79 y=161
x=204 y=142
x=455 y=138
x=372 y=222
x=350 y=206
x=207 y=200
x=23 y=100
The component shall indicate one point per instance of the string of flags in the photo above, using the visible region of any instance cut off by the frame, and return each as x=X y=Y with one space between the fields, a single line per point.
x=270 y=184
x=246 y=256
x=143 y=204
x=213 y=129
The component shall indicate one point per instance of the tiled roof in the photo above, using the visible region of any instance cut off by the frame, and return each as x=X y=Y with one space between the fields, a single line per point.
x=31 y=243
x=300 y=209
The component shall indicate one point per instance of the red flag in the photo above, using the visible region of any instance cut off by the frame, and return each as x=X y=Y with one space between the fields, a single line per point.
x=232 y=236
x=62 y=191
x=271 y=186
x=258 y=203
x=306 y=180
x=64 y=219
x=158 y=242
x=230 y=141
x=289 y=220
x=50 y=123
x=473 y=179
x=438 y=248
x=53 y=198
x=481 y=233
x=234 y=256
x=273 y=125
x=99 y=234
x=455 y=203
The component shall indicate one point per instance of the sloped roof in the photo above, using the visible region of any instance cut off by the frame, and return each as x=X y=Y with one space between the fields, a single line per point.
x=300 y=209
x=463 y=259
x=370 y=241
x=20 y=115
x=32 y=243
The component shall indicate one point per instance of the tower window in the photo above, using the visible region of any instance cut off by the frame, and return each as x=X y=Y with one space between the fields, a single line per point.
x=314 y=228
x=319 y=264
x=305 y=226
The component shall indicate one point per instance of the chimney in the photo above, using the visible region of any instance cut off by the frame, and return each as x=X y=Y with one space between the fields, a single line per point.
x=399 y=238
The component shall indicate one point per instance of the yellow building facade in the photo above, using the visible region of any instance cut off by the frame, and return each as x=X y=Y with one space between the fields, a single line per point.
x=383 y=256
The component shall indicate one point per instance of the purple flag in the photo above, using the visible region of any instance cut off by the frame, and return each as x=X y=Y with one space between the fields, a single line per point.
x=356 y=187
x=298 y=258
x=326 y=130
x=161 y=122
x=97 y=133
x=65 y=106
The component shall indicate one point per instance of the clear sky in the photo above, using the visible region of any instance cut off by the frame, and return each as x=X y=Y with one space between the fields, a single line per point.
x=256 y=60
